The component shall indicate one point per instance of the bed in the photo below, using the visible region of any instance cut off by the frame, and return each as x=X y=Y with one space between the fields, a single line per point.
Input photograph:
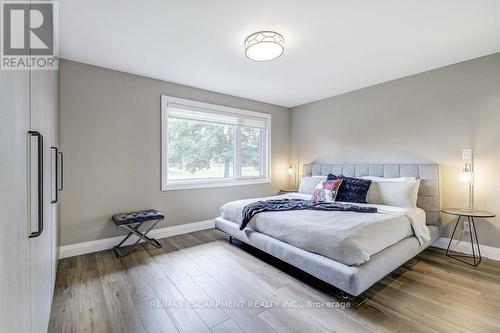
x=326 y=250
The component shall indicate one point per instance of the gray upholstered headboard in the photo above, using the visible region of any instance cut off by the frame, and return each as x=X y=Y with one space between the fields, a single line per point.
x=428 y=195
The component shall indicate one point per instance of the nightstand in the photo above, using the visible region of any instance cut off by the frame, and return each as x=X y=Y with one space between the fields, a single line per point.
x=285 y=191
x=470 y=215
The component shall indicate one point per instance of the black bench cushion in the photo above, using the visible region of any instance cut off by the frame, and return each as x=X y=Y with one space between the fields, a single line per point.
x=136 y=217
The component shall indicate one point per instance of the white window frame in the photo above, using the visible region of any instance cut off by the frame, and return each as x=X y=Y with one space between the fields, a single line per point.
x=168 y=185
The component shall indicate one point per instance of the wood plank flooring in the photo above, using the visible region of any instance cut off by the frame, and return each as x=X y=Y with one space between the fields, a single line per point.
x=199 y=282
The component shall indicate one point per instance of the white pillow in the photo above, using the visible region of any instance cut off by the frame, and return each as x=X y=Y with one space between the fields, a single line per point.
x=388 y=179
x=308 y=184
x=400 y=194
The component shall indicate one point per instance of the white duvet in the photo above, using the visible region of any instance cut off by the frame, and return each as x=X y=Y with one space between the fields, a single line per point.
x=347 y=237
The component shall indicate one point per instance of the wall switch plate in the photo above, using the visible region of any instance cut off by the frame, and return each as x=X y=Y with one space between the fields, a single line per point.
x=467 y=153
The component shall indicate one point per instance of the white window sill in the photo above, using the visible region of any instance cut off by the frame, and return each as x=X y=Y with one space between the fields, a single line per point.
x=186 y=185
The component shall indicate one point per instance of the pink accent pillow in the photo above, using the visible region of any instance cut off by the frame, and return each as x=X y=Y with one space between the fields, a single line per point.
x=326 y=191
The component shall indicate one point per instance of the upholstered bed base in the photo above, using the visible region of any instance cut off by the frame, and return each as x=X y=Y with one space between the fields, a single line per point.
x=351 y=279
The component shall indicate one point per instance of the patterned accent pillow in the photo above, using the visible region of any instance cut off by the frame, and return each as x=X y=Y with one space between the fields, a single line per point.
x=326 y=191
x=352 y=189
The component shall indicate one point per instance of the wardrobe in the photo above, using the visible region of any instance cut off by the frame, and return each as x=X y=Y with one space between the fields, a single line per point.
x=30 y=184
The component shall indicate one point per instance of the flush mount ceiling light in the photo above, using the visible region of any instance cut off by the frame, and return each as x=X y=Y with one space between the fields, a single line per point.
x=264 y=45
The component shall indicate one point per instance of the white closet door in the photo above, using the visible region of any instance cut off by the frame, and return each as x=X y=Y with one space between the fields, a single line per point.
x=52 y=81
x=42 y=246
x=14 y=243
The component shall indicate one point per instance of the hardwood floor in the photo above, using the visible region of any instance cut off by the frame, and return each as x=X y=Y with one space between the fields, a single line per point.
x=199 y=282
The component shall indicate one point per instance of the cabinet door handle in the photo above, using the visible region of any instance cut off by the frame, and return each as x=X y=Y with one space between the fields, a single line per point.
x=40 y=183
x=62 y=170
x=56 y=162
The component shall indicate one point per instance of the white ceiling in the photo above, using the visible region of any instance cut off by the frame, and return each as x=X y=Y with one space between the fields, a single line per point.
x=331 y=46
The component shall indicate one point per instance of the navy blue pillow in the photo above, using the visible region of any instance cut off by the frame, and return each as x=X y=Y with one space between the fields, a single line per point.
x=351 y=189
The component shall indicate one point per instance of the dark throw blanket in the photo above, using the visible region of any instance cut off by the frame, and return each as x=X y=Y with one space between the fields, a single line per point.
x=297 y=204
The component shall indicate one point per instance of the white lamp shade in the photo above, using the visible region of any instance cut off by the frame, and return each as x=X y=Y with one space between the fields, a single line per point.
x=467 y=177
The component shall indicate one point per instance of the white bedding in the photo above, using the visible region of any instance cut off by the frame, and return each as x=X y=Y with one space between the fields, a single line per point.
x=347 y=237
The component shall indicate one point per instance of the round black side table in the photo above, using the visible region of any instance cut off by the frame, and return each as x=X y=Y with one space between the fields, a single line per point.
x=470 y=215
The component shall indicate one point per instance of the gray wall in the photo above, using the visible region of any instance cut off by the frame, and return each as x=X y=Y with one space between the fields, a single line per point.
x=424 y=118
x=110 y=134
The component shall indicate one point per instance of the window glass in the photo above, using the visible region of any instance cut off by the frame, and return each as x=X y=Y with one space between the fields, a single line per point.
x=198 y=150
x=251 y=152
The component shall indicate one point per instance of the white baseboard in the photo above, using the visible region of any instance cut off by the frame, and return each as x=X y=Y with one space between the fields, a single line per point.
x=108 y=243
x=465 y=247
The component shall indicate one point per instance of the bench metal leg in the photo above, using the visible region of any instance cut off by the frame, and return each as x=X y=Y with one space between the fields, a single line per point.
x=141 y=236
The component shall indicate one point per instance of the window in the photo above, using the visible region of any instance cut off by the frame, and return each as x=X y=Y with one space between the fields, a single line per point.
x=205 y=145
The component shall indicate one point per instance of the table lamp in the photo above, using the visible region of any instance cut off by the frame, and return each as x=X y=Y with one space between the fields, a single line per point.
x=291 y=172
x=467 y=177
